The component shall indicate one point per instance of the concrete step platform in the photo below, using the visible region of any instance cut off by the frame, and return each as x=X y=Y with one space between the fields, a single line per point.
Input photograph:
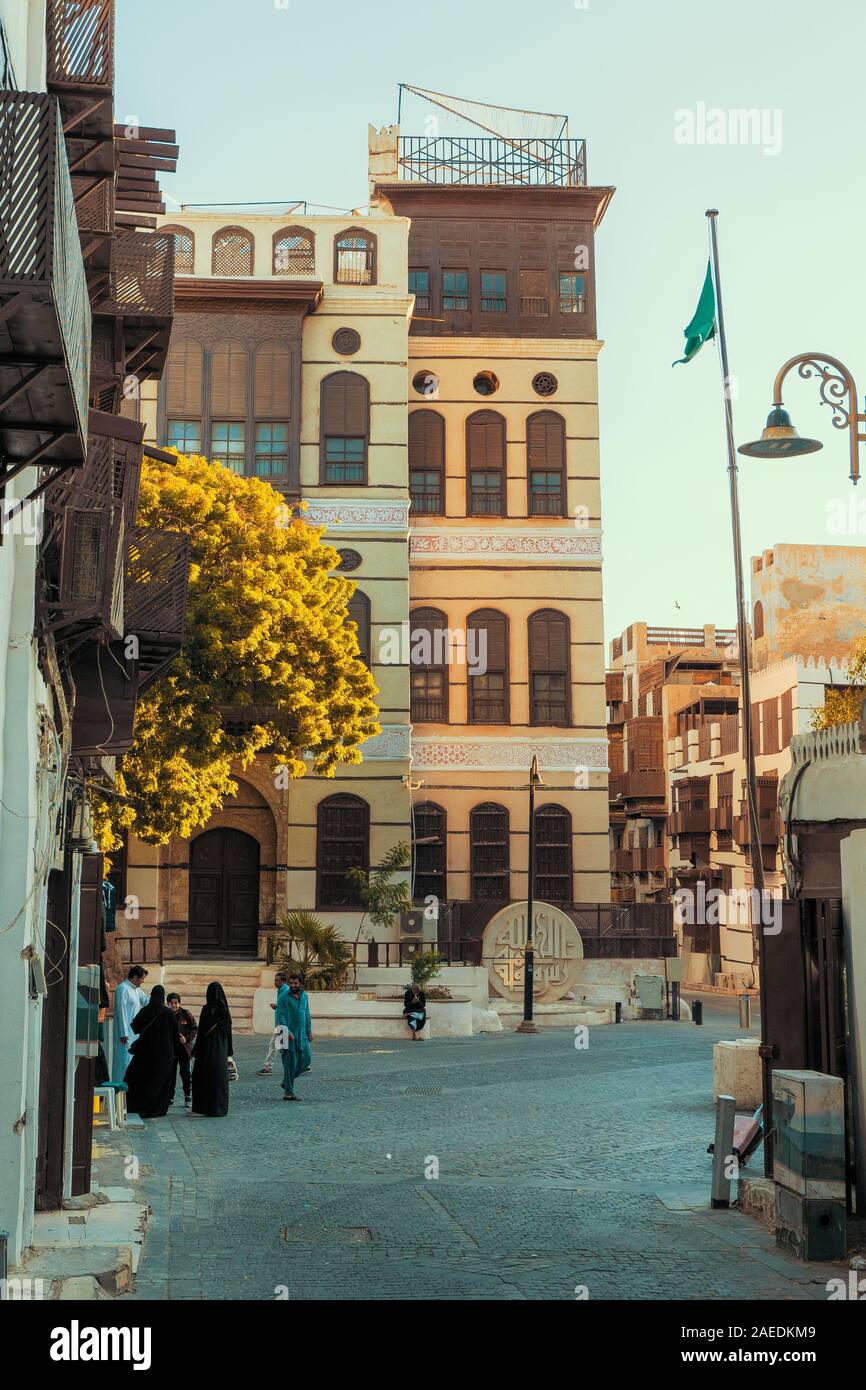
x=239 y=978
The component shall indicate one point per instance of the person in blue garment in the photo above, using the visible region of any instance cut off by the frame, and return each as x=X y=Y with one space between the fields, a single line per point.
x=289 y=1018
x=305 y=1037
x=129 y=999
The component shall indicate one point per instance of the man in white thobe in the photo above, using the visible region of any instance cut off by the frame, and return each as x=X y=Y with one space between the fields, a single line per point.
x=129 y=997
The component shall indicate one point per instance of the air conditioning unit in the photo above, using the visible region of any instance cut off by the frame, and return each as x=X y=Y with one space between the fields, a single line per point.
x=413 y=922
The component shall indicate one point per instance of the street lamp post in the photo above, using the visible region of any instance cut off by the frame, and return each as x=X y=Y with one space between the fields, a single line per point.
x=528 y=1026
x=780 y=440
x=837 y=389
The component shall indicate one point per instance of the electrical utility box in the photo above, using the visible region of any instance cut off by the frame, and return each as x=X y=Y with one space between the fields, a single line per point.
x=650 y=991
x=809 y=1163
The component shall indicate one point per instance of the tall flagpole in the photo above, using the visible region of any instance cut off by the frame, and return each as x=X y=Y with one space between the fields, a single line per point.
x=757 y=851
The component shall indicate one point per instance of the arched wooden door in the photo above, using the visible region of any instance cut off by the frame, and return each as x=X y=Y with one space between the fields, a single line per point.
x=224 y=892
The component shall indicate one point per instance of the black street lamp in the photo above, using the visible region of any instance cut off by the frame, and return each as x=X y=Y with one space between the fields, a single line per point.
x=527 y=1026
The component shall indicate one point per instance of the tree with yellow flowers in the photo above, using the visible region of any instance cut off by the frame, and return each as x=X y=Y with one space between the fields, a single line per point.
x=842 y=704
x=266 y=628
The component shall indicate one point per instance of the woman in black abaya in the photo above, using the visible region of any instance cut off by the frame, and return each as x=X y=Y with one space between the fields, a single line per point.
x=150 y=1074
x=213 y=1047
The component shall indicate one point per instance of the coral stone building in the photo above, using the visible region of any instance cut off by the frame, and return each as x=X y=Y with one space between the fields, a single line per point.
x=423 y=377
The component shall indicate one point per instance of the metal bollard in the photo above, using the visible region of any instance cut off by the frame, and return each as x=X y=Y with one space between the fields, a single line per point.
x=745 y=1011
x=723 y=1151
x=698 y=1011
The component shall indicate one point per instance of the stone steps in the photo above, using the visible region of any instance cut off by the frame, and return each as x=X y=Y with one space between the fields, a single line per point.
x=240 y=979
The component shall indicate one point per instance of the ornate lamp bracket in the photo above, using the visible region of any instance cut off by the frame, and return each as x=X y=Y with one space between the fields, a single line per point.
x=838 y=390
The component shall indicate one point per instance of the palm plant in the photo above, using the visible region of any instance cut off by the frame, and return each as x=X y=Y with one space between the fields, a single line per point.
x=382 y=897
x=317 y=952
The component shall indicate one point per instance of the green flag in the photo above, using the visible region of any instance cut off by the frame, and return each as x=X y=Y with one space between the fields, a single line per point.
x=703 y=325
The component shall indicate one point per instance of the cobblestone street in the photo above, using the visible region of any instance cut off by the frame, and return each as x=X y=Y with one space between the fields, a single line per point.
x=557 y=1168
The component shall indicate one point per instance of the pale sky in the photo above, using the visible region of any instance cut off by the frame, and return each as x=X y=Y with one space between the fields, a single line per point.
x=271 y=102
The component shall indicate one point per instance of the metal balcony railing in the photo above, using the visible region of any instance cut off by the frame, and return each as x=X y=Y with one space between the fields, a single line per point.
x=45 y=327
x=480 y=160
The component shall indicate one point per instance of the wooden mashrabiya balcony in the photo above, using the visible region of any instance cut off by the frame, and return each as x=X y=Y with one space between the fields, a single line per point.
x=45 y=329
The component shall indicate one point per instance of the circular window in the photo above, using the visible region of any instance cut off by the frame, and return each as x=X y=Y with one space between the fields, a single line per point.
x=545 y=384
x=426 y=383
x=486 y=383
x=349 y=560
x=346 y=341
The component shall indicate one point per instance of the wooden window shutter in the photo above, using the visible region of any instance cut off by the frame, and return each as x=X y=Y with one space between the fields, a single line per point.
x=184 y=379
x=756 y=727
x=345 y=405
x=485 y=440
x=273 y=381
x=229 y=381
x=430 y=621
x=358 y=612
x=770 y=713
x=426 y=440
x=787 y=717
x=496 y=626
x=548 y=641
x=545 y=440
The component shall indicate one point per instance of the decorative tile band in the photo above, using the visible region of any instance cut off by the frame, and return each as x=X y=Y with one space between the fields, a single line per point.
x=509 y=754
x=494 y=543
x=357 y=515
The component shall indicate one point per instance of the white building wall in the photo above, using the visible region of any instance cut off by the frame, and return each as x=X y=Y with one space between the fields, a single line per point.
x=29 y=780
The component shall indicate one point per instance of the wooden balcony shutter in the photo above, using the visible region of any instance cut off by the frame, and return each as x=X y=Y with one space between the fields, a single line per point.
x=184 y=380
x=645 y=751
x=229 y=381
x=273 y=381
x=485 y=440
x=545 y=440
x=345 y=405
x=787 y=717
x=426 y=440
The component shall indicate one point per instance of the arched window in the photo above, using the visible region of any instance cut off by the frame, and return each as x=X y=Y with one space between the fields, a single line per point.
x=345 y=428
x=294 y=252
x=355 y=257
x=428 y=659
x=427 y=461
x=358 y=610
x=553 y=854
x=232 y=252
x=485 y=464
x=183 y=396
x=549 y=666
x=228 y=402
x=342 y=843
x=429 y=840
x=489 y=853
x=545 y=463
x=184 y=249
x=487 y=666
x=273 y=388
x=758 y=624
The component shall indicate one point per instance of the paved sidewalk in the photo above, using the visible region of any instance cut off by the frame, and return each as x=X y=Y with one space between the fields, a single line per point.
x=558 y=1169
